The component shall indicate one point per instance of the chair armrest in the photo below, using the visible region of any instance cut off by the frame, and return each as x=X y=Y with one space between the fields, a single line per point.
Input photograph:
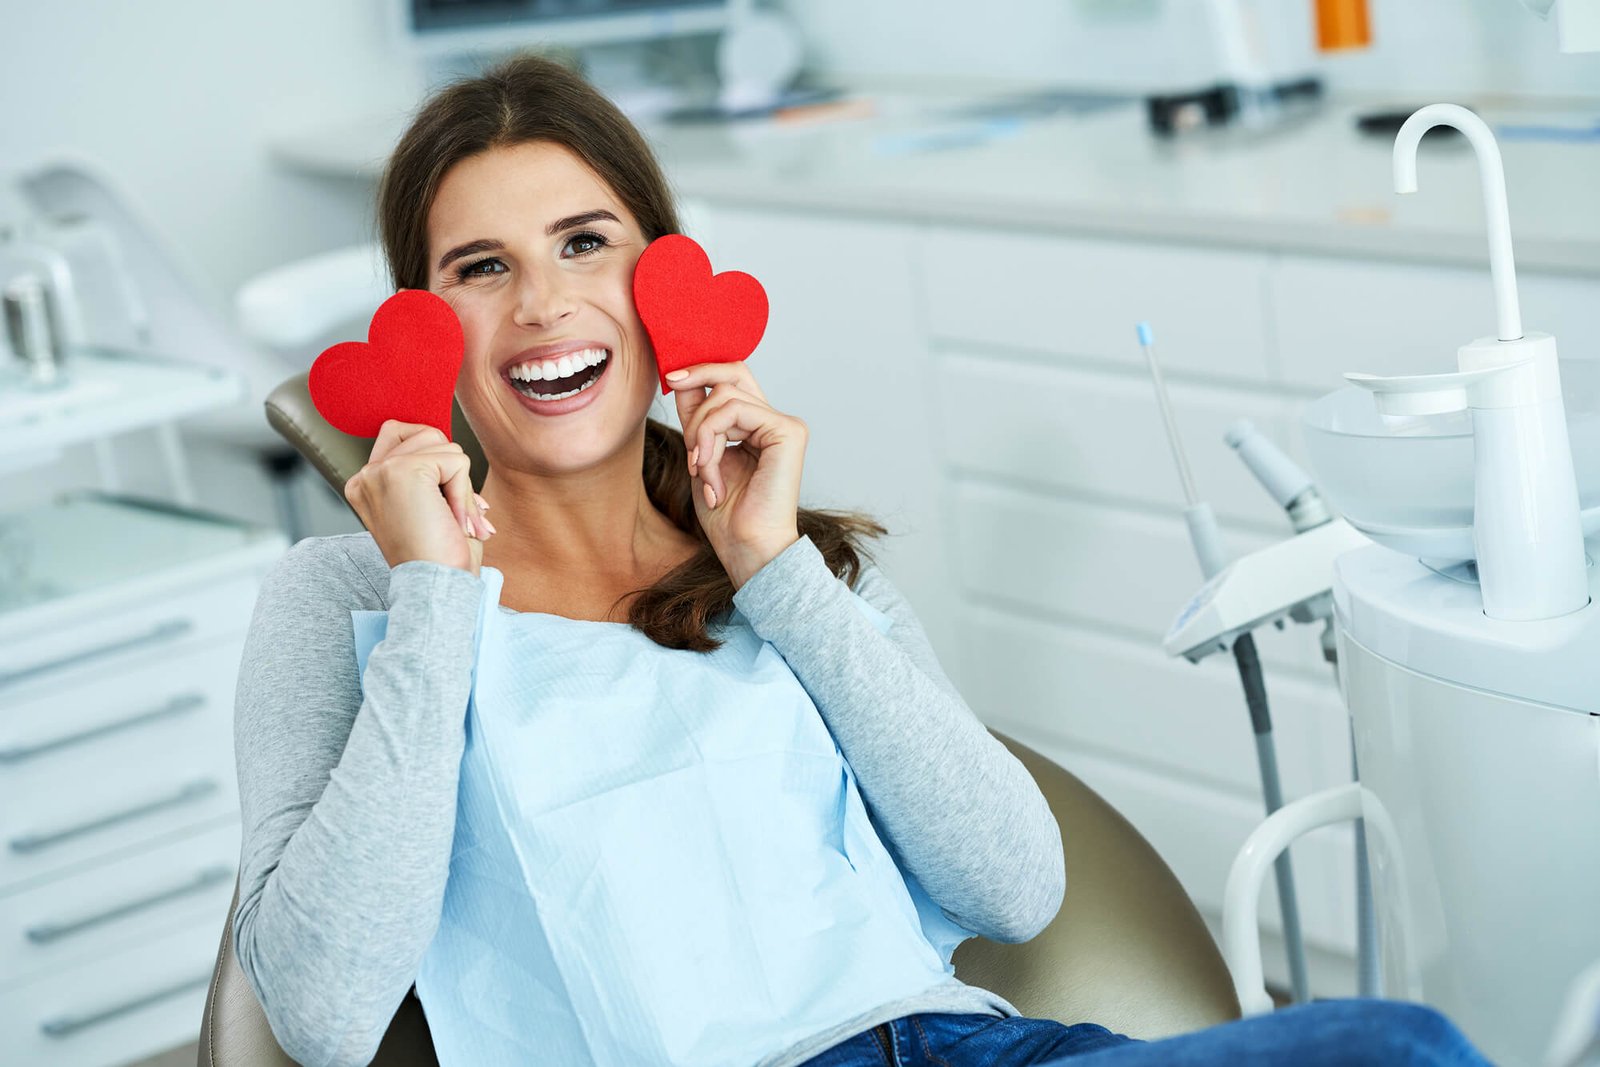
x=234 y=1031
x=1128 y=949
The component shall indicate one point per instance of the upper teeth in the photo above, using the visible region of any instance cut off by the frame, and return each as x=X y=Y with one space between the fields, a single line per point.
x=549 y=370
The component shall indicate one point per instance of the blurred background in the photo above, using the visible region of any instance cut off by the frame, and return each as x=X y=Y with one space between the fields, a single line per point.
x=960 y=210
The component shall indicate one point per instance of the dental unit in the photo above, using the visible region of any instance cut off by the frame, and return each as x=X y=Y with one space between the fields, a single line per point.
x=1466 y=640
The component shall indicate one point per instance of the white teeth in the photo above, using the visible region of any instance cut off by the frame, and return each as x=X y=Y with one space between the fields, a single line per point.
x=532 y=374
x=561 y=368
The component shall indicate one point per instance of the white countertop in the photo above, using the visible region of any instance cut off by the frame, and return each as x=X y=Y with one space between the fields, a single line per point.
x=1315 y=185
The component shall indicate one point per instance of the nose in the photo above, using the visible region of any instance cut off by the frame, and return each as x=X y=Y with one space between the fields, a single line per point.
x=543 y=300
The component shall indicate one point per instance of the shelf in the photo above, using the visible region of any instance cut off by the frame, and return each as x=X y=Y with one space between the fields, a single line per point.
x=105 y=392
x=92 y=544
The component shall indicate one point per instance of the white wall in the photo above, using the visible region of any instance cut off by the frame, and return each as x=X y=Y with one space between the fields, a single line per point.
x=178 y=98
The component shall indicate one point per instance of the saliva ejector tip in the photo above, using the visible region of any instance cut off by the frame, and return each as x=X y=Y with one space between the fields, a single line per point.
x=1146 y=336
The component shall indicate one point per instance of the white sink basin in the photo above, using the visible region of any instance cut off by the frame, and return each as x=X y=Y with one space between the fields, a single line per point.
x=1409 y=485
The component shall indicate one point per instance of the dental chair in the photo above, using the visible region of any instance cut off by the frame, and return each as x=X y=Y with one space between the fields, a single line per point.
x=1128 y=950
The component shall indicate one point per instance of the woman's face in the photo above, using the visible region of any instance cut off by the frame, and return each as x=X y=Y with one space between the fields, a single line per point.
x=536 y=255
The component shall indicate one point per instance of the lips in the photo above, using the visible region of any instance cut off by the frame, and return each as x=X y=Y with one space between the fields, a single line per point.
x=579 y=398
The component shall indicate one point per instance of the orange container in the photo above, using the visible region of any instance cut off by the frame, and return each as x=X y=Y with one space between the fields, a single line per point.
x=1343 y=24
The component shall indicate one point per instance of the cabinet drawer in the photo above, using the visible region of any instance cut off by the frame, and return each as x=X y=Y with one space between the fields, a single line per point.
x=36 y=665
x=1125 y=699
x=1333 y=316
x=1095 y=565
x=86 y=916
x=1199 y=831
x=1102 y=433
x=1082 y=298
x=124 y=760
x=128 y=1005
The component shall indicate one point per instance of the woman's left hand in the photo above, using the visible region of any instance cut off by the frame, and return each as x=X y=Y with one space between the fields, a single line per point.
x=746 y=473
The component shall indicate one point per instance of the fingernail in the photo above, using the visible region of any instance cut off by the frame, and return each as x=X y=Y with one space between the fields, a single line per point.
x=694 y=457
x=487 y=524
x=710 y=494
x=675 y=375
x=466 y=528
x=483 y=505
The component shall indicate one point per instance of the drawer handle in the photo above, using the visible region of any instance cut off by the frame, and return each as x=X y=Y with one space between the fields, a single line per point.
x=170 y=630
x=67 y=1025
x=177 y=705
x=46 y=932
x=186 y=794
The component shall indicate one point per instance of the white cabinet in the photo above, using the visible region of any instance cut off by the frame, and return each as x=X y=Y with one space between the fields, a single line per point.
x=121 y=627
x=1076 y=299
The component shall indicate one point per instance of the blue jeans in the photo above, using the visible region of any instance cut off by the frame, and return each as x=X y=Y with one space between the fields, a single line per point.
x=1330 y=1033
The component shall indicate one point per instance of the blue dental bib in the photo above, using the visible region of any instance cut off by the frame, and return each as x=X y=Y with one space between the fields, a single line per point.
x=661 y=857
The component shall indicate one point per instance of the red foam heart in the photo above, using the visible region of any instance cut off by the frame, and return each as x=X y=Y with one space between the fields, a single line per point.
x=692 y=316
x=406 y=368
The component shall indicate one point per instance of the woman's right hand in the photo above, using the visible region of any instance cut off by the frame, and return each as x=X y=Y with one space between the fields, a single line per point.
x=415 y=497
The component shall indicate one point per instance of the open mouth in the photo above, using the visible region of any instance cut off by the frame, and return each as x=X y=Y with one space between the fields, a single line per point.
x=548 y=389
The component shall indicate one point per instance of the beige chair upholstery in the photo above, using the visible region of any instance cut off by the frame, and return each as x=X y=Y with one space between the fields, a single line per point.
x=1128 y=950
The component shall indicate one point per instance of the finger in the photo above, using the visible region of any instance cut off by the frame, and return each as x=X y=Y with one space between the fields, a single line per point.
x=689 y=403
x=395 y=438
x=692 y=399
x=761 y=426
x=394 y=433
x=704 y=375
x=716 y=459
x=453 y=470
x=702 y=444
x=457 y=487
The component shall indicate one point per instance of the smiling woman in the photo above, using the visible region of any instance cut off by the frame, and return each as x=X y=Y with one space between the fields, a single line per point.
x=524 y=198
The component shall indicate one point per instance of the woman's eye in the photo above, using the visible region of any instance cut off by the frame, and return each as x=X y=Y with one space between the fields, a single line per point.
x=471 y=269
x=584 y=244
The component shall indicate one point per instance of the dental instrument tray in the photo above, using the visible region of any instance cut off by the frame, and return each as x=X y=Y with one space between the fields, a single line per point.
x=1407 y=481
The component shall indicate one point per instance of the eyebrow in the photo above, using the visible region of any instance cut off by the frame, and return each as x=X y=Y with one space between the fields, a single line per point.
x=484 y=244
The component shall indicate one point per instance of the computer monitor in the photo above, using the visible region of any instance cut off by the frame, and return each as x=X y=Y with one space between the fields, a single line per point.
x=458 y=27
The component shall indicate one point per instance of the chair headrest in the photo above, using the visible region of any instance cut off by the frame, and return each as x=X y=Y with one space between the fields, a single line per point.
x=337 y=455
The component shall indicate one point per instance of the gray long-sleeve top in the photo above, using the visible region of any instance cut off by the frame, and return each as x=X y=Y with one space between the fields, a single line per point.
x=349 y=801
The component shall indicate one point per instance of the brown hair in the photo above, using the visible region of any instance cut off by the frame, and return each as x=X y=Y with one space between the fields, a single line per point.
x=531 y=98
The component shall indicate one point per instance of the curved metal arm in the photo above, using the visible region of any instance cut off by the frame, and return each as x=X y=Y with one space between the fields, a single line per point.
x=1492 y=175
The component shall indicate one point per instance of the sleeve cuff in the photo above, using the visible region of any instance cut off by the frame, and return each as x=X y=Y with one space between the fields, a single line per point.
x=798 y=568
x=450 y=594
